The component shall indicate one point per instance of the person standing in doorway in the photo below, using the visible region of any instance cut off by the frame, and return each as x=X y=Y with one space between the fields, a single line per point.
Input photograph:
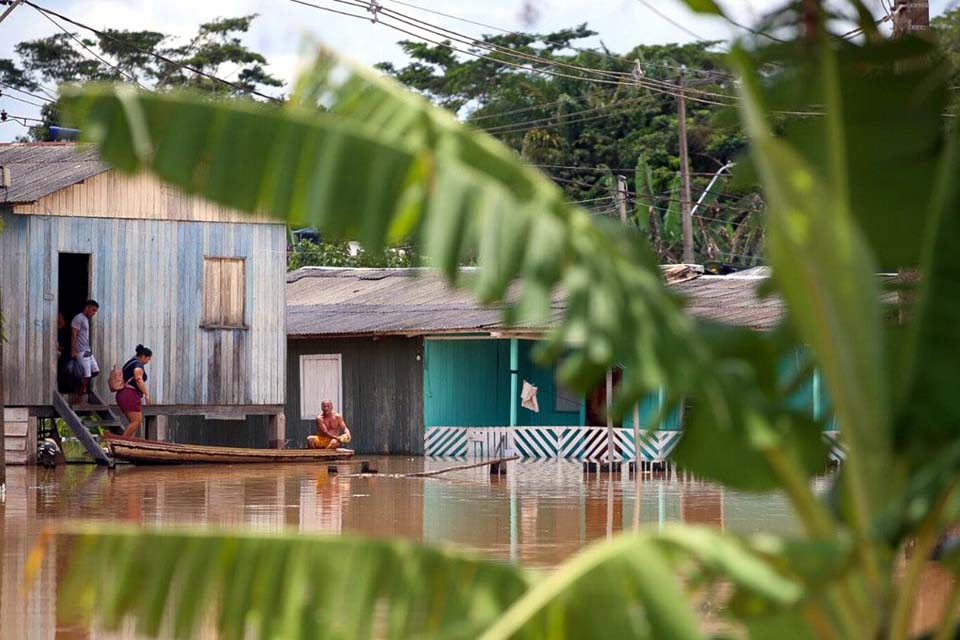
x=134 y=394
x=332 y=430
x=81 y=350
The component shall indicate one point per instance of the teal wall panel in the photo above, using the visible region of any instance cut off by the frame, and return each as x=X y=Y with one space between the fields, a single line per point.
x=544 y=379
x=466 y=383
x=649 y=410
x=811 y=395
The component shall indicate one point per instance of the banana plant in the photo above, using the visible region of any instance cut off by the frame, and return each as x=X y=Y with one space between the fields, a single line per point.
x=858 y=172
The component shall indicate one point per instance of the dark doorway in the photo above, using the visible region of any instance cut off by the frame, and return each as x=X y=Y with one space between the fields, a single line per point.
x=597 y=401
x=74 y=289
x=73 y=271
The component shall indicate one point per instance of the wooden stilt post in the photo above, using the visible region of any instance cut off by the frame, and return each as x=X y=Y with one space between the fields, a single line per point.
x=276 y=431
x=637 y=455
x=3 y=429
x=609 y=398
x=514 y=379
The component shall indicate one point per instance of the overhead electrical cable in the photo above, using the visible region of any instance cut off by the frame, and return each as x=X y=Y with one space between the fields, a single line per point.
x=604 y=54
x=470 y=40
x=675 y=23
x=25 y=92
x=83 y=45
x=18 y=99
x=158 y=56
x=562 y=116
x=653 y=86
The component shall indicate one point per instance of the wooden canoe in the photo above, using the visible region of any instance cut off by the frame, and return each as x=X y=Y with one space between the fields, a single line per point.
x=140 y=451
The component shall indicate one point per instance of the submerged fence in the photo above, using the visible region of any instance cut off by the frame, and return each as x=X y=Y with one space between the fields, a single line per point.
x=575 y=443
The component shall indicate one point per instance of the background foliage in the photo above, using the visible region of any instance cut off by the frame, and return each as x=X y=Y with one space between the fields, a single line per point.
x=842 y=188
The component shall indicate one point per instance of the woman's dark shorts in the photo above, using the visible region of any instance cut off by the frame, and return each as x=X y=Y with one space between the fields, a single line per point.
x=129 y=400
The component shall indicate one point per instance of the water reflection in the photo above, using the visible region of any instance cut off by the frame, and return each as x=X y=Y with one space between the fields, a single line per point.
x=538 y=514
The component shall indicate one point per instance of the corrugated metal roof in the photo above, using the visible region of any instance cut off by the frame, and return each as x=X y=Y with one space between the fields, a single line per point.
x=731 y=300
x=324 y=301
x=39 y=169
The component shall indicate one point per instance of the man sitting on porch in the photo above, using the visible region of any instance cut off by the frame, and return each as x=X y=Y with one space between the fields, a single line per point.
x=332 y=431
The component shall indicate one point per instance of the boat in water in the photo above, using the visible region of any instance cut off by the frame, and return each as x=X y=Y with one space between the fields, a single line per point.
x=140 y=451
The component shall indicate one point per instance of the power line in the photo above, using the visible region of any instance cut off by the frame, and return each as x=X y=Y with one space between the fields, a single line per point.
x=32 y=104
x=73 y=37
x=602 y=54
x=648 y=83
x=522 y=126
x=755 y=32
x=495 y=48
x=650 y=6
x=156 y=55
x=28 y=93
x=469 y=40
x=653 y=85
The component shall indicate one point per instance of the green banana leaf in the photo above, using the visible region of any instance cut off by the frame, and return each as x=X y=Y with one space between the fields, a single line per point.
x=291 y=586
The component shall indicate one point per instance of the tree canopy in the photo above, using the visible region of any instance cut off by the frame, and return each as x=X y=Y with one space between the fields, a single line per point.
x=583 y=115
x=150 y=59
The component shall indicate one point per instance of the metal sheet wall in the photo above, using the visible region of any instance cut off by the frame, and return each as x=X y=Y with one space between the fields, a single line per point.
x=382 y=392
x=147 y=276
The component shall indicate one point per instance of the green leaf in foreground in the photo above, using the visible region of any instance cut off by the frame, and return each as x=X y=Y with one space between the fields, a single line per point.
x=825 y=271
x=296 y=586
x=283 y=586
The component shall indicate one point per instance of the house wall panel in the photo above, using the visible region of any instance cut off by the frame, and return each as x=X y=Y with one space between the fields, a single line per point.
x=147 y=276
x=113 y=194
x=382 y=392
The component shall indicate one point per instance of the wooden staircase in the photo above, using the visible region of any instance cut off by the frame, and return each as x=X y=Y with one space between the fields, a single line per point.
x=81 y=418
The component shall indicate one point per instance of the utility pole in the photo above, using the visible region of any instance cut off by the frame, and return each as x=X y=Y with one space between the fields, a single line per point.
x=622 y=203
x=622 y=198
x=3 y=429
x=685 y=218
x=13 y=5
x=910 y=16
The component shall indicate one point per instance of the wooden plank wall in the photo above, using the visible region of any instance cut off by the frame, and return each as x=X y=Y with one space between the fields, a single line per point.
x=382 y=392
x=112 y=194
x=147 y=276
x=250 y=432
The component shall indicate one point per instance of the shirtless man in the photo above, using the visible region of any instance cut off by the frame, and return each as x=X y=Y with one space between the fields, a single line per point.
x=332 y=431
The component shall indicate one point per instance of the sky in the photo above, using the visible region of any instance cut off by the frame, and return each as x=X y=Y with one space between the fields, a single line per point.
x=286 y=32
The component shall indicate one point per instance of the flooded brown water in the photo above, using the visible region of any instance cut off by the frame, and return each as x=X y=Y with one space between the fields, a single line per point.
x=540 y=513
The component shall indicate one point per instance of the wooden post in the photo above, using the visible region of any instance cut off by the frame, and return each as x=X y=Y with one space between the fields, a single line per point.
x=277 y=431
x=150 y=427
x=816 y=394
x=514 y=382
x=910 y=16
x=610 y=506
x=622 y=198
x=636 y=434
x=609 y=397
x=3 y=17
x=162 y=428
x=3 y=429
x=685 y=217
x=514 y=517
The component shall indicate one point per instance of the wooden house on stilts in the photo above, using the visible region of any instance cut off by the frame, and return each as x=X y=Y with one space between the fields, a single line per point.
x=200 y=284
x=419 y=368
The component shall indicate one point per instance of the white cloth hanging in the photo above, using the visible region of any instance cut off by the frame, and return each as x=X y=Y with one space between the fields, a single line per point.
x=528 y=397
